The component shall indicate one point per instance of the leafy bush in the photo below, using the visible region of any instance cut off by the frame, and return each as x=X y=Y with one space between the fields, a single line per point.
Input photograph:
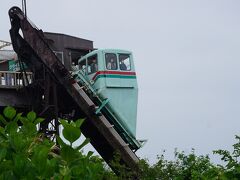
x=26 y=154
x=232 y=168
x=191 y=166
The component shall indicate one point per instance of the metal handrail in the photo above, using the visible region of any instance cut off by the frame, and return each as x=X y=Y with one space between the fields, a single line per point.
x=11 y=78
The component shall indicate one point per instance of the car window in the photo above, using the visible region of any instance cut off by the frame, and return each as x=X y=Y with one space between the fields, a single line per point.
x=111 y=61
x=124 y=62
x=92 y=64
x=82 y=66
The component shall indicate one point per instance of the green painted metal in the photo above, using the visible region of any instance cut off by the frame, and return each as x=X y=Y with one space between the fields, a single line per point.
x=14 y=65
x=108 y=111
x=115 y=76
x=105 y=101
x=119 y=87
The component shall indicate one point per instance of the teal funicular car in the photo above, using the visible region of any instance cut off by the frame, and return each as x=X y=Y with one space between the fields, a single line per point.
x=112 y=77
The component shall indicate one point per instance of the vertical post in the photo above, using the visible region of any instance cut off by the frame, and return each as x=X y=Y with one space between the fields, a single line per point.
x=55 y=101
x=18 y=79
x=15 y=79
x=24 y=7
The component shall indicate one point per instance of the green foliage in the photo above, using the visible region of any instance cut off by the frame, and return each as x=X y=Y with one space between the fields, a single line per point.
x=70 y=132
x=9 y=112
x=191 y=166
x=183 y=167
x=232 y=168
x=123 y=171
x=27 y=154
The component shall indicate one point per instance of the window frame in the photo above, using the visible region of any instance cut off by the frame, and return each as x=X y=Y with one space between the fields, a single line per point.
x=85 y=65
x=88 y=65
x=130 y=63
x=106 y=63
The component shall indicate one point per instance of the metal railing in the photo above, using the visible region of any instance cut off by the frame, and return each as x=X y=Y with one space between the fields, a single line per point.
x=15 y=79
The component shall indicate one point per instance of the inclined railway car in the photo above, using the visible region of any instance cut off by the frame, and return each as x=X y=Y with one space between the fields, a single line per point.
x=112 y=75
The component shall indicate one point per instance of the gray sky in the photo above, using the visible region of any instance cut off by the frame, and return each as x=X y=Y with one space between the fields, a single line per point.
x=187 y=60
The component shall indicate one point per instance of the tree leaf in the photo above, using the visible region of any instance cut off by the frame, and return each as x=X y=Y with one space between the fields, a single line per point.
x=39 y=158
x=12 y=127
x=50 y=168
x=68 y=153
x=3 y=120
x=3 y=152
x=79 y=122
x=71 y=133
x=29 y=128
x=19 y=164
x=2 y=133
x=72 y=124
x=23 y=120
x=31 y=116
x=89 y=154
x=18 y=143
x=9 y=112
x=64 y=122
x=17 y=117
x=38 y=120
x=60 y=142
x=6 y=165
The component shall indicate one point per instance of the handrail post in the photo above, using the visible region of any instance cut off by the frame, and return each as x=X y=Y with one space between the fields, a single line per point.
x=0 y=78
x=14 y=79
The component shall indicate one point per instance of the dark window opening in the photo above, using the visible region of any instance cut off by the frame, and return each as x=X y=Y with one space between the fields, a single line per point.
x=92 y=64
x=124 y=62
x=111 y=61
x=82 y=66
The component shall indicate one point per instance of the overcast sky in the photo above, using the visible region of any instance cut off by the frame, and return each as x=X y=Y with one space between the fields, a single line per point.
x=187 y=61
